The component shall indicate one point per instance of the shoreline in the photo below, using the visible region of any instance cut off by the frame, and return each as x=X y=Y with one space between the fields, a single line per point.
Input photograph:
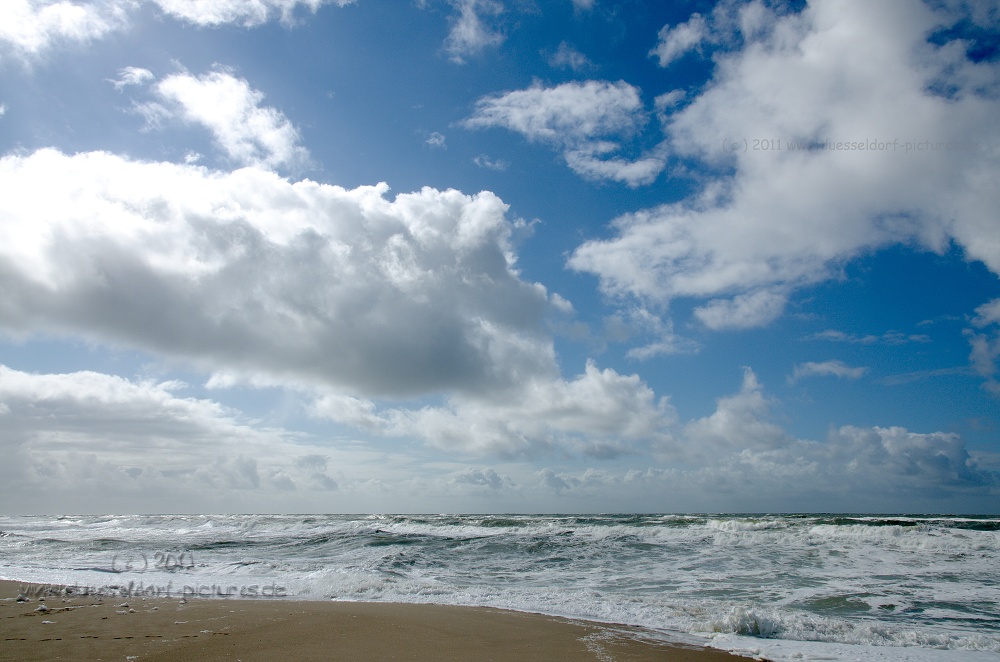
x=138 y=627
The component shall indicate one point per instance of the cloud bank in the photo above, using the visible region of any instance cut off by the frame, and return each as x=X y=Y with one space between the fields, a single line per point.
x=138 y=446
x=246 y=270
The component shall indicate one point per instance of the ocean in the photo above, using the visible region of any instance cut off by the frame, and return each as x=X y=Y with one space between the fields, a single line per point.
x=785 y=587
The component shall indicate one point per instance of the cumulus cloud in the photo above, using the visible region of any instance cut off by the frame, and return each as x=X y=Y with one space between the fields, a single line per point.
x=834 y=368
x=853 y=470
x=469 y=34
x=740 y=422
x=435 y=139
x=341 y=293
x=599 y=413
x=892 y=459
x=115 y=444
x=738 y=449
x=481 y=477
x=867 y=160
x=247 y=272
x=744 y=311
x=248 y=132
x=675 y=41
x=29 y=27
x=578 y=118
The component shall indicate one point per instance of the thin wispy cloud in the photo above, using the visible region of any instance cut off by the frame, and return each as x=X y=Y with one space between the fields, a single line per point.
x=582 y=119
x=567 y=57
x=484 y=161
x=471 y=29
x=887 y=338
x=832 y=368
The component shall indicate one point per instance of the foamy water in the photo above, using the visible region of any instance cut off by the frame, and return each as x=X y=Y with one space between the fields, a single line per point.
x=788 y=587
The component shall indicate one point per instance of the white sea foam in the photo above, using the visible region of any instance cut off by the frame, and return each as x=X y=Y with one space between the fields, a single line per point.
x=794 y=587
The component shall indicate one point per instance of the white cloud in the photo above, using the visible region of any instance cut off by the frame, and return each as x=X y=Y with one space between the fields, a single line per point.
x=983 y=357
x=985 y=346
x=730 y=22
x=588 y=162
x=105 y=439
x=744 y=311
x=738 y=458
x=469 y=35
x=567 y=57
x=680 y=39
x=484 y=161
x=664 y=102
x=583 y=5
x=565 y=113
x=30 y=27
x=249 y=273
x=887 y=338
x=659 y=333
x=481 y=477
x=577 y=118
x=248 y=133
x=3 y=109
x=107 y=444
x=832 y=368
x=132 y=76
x=599 y=413
x=248 y=13
x=738 y=423
x=769 y=221
x=435 y=139
x=988 y=313
x=739 y=446
x=113 y=444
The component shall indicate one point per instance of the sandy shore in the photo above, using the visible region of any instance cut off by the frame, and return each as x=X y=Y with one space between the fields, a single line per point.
x=91 y=628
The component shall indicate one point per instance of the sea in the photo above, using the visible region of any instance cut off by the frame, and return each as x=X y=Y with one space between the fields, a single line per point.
x=775 y=586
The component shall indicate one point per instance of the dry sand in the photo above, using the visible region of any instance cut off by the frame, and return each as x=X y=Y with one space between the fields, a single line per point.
x=108 y=628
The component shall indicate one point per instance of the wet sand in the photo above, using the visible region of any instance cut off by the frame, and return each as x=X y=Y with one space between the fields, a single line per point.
x=167 y=629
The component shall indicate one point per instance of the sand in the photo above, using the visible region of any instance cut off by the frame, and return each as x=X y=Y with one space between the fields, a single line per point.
x=251 y=629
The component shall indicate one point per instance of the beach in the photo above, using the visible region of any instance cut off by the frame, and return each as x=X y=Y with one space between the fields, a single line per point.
x=247 y=629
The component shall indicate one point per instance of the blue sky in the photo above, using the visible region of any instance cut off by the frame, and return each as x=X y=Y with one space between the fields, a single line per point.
x=485 y=255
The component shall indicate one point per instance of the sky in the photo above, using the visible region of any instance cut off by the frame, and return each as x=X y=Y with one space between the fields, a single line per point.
x=499 y=256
